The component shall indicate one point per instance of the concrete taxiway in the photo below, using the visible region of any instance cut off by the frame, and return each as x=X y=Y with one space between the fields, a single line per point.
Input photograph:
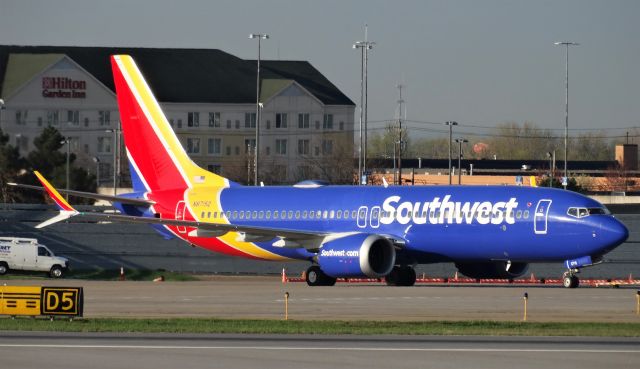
x=69 y=351
x=263 y=297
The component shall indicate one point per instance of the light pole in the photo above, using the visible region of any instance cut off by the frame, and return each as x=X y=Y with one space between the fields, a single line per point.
x=259 y=36
x=116 y=165
x=97 y=161
x=364 y=47
x=566 y=107
x=1 y=109
x=67 y=142
x=460 y=141
x=450 y=124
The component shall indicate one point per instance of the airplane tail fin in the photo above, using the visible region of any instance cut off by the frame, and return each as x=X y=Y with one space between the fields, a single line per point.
x=157 y=159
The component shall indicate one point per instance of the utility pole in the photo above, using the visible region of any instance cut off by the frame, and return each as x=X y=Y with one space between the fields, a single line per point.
x=460 y=141
x=400 y=101
x=364 y=46
x=566 y=106
x=259 y=36
x=450 y=124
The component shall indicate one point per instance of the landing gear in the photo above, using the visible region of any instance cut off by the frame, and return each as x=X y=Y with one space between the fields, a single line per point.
x=570 y=280
x=401 y=276
x=316 y=277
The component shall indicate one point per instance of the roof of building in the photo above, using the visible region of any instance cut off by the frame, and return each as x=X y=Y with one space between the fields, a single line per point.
x=175 y=75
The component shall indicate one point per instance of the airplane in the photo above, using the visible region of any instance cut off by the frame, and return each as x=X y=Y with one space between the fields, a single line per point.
x=343 y=231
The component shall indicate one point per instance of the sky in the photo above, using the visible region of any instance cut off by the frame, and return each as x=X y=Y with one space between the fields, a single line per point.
x=480 y=63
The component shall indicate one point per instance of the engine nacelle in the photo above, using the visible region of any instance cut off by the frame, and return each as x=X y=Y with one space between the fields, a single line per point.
x=493 y=270
x=358 y=255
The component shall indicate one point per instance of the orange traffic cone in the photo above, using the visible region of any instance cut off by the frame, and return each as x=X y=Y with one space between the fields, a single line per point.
x=455 y=277
x=122 y=273
x=533 y=278
x=284 y=276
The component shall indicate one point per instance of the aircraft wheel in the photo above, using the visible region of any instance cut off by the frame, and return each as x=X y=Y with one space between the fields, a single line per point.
x=393 y=277
x=316 y=277
x=570 y=281
x=408 y=276
x=401 y=276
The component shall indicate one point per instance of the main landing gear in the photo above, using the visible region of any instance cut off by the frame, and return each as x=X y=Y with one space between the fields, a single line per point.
x=401 y=276
x=316 y=277
x=570 y=279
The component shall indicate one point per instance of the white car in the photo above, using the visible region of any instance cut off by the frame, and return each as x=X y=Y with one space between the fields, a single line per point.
x=28 y=254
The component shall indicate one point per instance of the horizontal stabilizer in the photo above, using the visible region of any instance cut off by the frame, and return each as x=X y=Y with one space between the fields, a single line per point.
x=90 y=195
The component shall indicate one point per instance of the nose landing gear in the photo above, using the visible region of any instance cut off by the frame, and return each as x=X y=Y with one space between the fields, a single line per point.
x=570 y=279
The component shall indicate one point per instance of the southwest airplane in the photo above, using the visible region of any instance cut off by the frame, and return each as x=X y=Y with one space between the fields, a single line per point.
x=344 y=231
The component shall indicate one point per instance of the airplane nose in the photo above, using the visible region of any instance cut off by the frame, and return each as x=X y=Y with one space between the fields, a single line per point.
x=614 y=231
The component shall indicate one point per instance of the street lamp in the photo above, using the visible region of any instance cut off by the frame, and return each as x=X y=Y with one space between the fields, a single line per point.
x=259 y=36
x=116 y=149
x=566 y=107
x=450 y=124
x=460 y=141
x=364 y=47
x=552 y=166
x=67 y=142
x=1 y=109
x=97 y=161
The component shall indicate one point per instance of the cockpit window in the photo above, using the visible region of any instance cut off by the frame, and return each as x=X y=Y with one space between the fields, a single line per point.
x=585 y=212
x=598 y=211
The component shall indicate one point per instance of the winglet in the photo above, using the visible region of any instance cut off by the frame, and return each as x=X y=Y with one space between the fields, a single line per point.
x=66 y=210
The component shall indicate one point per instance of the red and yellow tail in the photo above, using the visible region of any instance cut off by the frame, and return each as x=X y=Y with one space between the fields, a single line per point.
x=154 y=151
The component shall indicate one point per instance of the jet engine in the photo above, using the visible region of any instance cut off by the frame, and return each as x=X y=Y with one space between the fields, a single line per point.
x=493 y=270
x=359 y=255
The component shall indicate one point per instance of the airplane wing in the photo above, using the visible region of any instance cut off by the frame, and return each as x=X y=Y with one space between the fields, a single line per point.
x=311 y=240
x=90 y=195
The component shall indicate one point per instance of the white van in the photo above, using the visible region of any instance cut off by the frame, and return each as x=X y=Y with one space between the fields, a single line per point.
x=28 y=254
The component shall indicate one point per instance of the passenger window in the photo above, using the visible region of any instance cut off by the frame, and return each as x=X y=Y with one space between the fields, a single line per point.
x=242 y=215
x=235 y=214
x=283 y=214
x=254 y=214
x=346 y=214
x=298 y=214
x=325 y=214
x=304 y=214
x=525 y=215
x=339 y=214
x=519 y=214
x=332 y=213
x=228 y=214
x=268 y=214
x=202 y=215
x=261 y=215
x=312 y=214
x=353 y=214
x=275 y=214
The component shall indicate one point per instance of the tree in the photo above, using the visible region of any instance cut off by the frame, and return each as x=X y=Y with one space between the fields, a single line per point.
x=49 y=160
x=10 y=165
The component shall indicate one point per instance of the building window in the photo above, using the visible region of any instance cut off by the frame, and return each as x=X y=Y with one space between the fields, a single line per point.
x=229 y=123
x=237 y=150
x=327 y=147
x=317 y=124
x=228 y=150
x=39 y=121
x=316 y=151
x=342 y=126
x=214 y=146
x=249 y=120
x=249 y=143
x=171 y=122
x=104 y=116
x=328 y=121
x=73 y=117
x=214 y=168
x=268 y=124
x=281 y=120
x=268 y=150
x=193 y=145
x=86 y=122
x=21 y=117
x=303 y=120
x=237 y=124
x=214 y=119
x=74 y=143
x=281 y=147
x=52 y=118
x=179 y=123
x=193 y=119
x=303 y=147
x=104 y=145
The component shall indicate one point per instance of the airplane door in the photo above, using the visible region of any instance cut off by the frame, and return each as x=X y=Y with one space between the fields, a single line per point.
x=540 y=216
x=362 y=216
x=180 y=215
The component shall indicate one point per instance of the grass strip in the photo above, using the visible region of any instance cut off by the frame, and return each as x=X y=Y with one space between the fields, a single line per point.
x=259 y=326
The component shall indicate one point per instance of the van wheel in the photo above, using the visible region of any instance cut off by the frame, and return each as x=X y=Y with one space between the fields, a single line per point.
x=3 y=268
x=56 y=272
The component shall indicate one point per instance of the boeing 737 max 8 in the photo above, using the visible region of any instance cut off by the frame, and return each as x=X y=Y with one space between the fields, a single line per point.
x=345 y=231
